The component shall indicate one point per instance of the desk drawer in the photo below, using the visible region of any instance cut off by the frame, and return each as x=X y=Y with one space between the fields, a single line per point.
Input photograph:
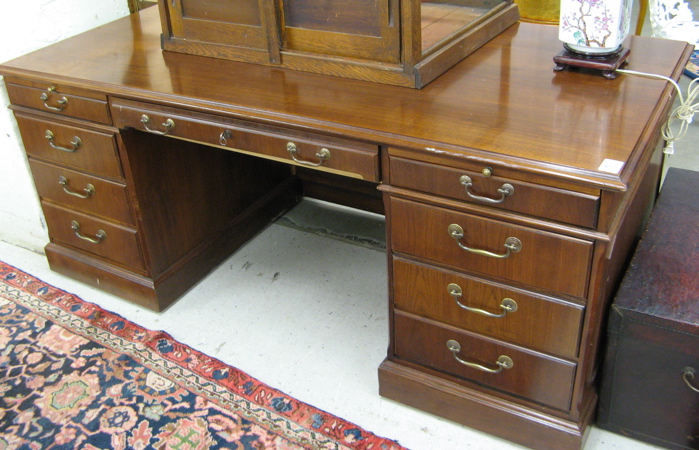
x=78 y=103
x=99 y=237
x=546 y=260
x=542 y=323
x=532 y=375
x=77 y=190
x=347 y=157
x=75 y=147
x=541 y=201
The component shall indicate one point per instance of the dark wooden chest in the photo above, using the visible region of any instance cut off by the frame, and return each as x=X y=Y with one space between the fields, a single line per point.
x=650 y=382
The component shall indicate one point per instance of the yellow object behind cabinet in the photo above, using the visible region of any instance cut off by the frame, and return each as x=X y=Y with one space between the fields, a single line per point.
x=540 y=11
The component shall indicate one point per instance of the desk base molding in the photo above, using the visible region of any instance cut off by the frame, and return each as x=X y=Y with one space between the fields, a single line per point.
x=100 y=275
x=457 y=403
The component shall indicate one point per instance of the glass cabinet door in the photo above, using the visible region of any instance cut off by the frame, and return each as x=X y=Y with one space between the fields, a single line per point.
x=366 y=29
x=442 y=19
x=398 y=42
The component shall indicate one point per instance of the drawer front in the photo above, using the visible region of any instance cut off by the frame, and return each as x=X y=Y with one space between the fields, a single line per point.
x=75 y=147
x=546 y=260
x=524 y=373
x=513 y=315
x=52 y=99
x=549 y=203
x=356 y=159
x=77 y=190
x=99 y=237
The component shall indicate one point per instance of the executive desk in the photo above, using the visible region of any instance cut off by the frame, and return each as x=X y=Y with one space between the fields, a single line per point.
x=512 y=194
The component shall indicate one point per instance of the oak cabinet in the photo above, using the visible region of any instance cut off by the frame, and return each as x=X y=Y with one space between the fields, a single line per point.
x=399 y=42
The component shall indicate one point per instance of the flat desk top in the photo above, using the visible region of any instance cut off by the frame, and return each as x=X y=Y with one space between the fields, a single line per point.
x=502 y=104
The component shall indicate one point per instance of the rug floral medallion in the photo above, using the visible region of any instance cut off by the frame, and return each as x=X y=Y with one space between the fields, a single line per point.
x=74 y=376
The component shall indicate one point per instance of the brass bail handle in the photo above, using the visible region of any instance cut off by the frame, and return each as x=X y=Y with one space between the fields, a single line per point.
x=505 y=190
x=99 y=236
x=169 y=124
x=512 y=244
x=507 y=305
x=62 y=102
x=323 y=155
x=503 y=362
x=89 y=190
x=76 y=142
x=224 y=136
x=688 y=377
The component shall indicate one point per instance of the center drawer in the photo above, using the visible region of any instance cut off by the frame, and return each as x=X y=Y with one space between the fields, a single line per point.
x=331 y=154
x=488 y=362
x=475 y=244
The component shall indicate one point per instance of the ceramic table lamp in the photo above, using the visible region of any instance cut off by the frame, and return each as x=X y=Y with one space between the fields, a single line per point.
x=593 y=32
x=594 y=26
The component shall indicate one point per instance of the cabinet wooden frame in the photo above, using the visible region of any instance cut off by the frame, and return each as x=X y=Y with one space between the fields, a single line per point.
x=391 y=50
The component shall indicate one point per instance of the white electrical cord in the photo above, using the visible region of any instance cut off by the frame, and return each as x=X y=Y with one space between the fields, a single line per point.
x=684 y=112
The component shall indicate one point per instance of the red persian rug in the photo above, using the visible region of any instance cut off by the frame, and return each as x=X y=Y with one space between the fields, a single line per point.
x=74 y=376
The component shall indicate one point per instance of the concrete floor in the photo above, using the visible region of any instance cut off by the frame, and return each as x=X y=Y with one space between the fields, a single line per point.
x=303 y=308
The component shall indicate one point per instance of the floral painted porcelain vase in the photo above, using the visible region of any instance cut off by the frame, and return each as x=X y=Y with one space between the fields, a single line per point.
x=594 y=27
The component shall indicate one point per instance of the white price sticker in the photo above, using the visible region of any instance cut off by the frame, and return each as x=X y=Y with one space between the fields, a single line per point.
x=611 y=166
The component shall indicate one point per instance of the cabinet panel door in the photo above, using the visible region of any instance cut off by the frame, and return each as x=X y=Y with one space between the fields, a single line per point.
x=367 y=29
x=222 y=21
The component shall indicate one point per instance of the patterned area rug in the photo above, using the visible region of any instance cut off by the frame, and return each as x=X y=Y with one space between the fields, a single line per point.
x=74 y=376
x=692 y=70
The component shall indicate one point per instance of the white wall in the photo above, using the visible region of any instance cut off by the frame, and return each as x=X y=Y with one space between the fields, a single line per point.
x=29 y=25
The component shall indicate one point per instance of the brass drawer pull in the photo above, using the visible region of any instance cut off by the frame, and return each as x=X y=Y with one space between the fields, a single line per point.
x=512 y=244
x=224 y=136
x=62 y=103
x=508 y=305
x=503 y=362
x=100 y=236
x=89 y=189
x=323 y=155
x=169 y=124
x=505 y=190
x=688 y=377
x=76 y=143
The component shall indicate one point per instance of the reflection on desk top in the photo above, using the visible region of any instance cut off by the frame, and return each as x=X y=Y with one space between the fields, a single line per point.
x=503 y=103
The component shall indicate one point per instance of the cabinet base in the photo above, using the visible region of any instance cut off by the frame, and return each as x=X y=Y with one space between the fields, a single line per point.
x=491 y=415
